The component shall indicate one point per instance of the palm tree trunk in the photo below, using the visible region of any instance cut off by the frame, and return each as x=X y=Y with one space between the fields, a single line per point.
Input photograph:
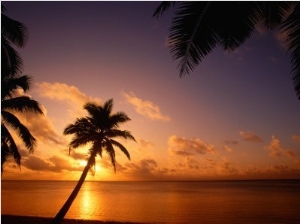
x=63 y=211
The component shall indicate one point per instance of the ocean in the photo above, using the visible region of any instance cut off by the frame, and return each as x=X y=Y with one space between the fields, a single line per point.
x=260 y=201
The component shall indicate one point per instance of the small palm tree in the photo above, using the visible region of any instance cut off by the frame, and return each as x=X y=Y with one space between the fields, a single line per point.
x=11 y=64
x=200 y=26
x=99 y=129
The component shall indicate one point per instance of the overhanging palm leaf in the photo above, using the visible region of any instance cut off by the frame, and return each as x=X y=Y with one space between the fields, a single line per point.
x=9 y=84
x=21 y=104
x=8 y=147
x=198 y=27
x=292 y=28
x=11 y=61
x=21 y=130
x=13 y=32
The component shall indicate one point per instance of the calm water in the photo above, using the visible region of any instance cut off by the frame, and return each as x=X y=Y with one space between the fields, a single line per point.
x=164 y=202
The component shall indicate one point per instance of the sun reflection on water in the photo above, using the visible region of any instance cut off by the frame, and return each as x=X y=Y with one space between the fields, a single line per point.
x=88 y=202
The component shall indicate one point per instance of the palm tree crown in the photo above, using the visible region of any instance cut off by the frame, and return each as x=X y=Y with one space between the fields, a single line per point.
x=198 y=27
x=98 y=128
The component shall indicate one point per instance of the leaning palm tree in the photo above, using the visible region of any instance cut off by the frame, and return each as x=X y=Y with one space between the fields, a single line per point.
x=198 y=27
x=99 y=129
x=11 y=65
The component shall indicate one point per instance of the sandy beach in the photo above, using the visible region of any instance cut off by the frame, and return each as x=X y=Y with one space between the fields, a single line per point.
x=12 y=219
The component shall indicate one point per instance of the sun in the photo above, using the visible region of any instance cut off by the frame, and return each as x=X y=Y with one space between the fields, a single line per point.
x=82 y=162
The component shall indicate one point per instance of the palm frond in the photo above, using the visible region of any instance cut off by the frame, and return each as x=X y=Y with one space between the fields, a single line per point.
x=4 y=154
x=21 y=130
x=292 y=28
x=118 y=118
x=163 y=7
x=121 y=147
x=80 y=125
x=12 y=63
x=80 y=140
x=21 y=104
x=273 y=13
x=8 y=147
x=235 y=22
x=9 y=85
x=16 y=32
x=91 y=108
x=108 y=106
x=111 y=152
x=191 y=35
x=114 y=133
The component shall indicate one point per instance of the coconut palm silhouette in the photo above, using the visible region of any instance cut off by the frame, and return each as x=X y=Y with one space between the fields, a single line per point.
x=99 y=129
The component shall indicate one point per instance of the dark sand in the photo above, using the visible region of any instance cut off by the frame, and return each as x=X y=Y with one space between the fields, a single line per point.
x=12 y=219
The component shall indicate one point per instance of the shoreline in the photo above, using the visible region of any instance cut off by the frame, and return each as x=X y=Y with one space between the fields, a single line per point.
x=17 y=219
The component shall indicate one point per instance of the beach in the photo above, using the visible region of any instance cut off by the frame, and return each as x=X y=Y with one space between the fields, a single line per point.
x=13 y=219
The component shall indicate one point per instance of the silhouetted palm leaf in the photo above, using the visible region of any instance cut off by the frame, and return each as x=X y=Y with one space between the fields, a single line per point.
x=13 y=32
x=8 y=147
x=10 y=84
x=21 y=104
x=21 y=130
x=198 y=27
x=292 y=28
x=164 y=6
x=11 y=61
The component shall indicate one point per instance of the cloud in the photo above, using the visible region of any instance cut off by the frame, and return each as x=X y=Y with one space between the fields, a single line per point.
x=144 y=169
x=38 y=164
x=276 y=150
x=63 y=92
x=226 y=168
x=227 y=148
x=145 y=107
x=182 y=146
x=144 y=144
x=296 y=138
x=54 y=164
x=67 y=95
x=250 y=136
x=190 y=163
x=41 y=127
x=231 y=142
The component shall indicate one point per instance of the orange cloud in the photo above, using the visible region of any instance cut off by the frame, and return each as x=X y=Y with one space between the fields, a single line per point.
x=276 y=150
x=296 y=138
x=41 y=127
x=227 y=148
x=145 y=107
x=190 y=163
x=250 y=136
x=63 y=92
x=182 y=146
x=231 y=142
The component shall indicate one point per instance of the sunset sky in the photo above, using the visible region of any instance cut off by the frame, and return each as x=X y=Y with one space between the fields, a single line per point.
x=236 y=116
